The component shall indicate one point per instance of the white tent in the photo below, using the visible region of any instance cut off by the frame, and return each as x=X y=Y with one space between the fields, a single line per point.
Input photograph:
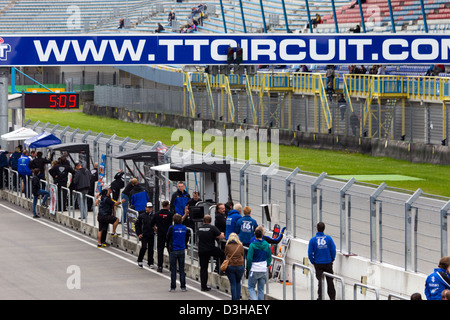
x=19 y=134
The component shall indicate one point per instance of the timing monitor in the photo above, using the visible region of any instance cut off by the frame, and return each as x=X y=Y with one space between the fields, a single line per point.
x=197 y=213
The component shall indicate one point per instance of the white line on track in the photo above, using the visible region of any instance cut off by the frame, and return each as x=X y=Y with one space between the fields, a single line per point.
x=102 y=250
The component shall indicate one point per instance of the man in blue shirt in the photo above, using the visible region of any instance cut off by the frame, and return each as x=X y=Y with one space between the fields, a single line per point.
x=176 y=239
x=23 y=168
x=439 y=280
x=245 y=227
x=233 y=216
x=321 y=253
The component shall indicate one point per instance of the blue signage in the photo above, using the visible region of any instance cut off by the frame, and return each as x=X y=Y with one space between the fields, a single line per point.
x=208 y=49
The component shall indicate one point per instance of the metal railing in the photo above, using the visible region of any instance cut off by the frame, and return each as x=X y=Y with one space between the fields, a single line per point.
x=388 y=106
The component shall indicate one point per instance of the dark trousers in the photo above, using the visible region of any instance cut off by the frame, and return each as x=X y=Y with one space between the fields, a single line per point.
x=217 y=253
x=161 y=243
x=177 y=257
x=147 y=244
x=320 y=269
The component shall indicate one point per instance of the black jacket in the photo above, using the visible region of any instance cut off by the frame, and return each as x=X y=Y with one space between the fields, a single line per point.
x=35 y=184
x=143 y=225
x=82 y=179
x=60 y=173
x=163 y=221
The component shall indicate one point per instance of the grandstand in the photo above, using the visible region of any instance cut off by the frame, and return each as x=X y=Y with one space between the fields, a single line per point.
x=29 y=16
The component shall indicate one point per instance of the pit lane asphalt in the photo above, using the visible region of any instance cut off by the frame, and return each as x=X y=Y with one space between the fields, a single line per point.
x=43 y=260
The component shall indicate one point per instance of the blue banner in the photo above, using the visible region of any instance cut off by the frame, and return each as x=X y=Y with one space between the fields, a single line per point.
x=208 y=49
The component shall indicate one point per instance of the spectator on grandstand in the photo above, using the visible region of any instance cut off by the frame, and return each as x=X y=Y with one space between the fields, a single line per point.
x=146 y=235
x=259 y=258
x=171 y=17
x=162 y=221
x=105 y=216
x=342 y=103
x=233 y=216
x=179 y=199
x=354 y=123
x=434 y=70
x=356 y=29
x=121 y=23
x=245 y=227
x=234 y=253
x=330 y=90
x=314 y=22
x=207 y=235
x=176 y=239
x=445 y=294
x=37 y=191
x=374 y=69
x=330 y=74
x=159 y=29
x=381 y=70
x=439 y=280
x=192 y=28
x=321 y=253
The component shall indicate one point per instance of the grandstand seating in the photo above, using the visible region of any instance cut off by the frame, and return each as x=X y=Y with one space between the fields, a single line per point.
x=102 y=16
x=407 y=16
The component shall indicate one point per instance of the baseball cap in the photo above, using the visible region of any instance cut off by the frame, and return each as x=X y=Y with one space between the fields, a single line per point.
x=149 y=204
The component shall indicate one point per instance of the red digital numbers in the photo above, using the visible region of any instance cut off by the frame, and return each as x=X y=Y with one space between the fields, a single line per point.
x=53 y=101
x=63 y=100
x=72 y=101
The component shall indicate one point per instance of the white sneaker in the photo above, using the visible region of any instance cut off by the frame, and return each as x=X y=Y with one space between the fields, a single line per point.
x=140 y=265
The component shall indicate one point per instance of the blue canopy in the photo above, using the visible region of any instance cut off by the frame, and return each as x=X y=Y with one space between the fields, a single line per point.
x=45 y=139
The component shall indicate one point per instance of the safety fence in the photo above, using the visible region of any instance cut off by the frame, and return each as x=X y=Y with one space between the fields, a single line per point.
x=402 y=228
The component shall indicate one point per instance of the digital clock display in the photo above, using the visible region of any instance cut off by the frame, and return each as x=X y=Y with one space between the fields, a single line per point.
x=52 y=100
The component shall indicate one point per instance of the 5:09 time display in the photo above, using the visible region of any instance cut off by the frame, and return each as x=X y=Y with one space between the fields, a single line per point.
x=52 y=100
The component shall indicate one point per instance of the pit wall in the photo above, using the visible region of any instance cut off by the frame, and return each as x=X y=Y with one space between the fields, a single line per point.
x=386 y=278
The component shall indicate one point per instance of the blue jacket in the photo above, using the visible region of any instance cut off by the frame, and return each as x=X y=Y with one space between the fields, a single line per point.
x=436 y=282
x=259 y=256
x=233 y=217
x=24 y=166
x=14 y=160
x=178 y=201
x=139 y=200
x=245 y=228
x=321 y=249
x=3 y=159
x=176 y=237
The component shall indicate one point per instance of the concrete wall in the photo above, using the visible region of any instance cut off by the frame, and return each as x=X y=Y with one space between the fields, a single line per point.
x=413 y=152
x=387 y=278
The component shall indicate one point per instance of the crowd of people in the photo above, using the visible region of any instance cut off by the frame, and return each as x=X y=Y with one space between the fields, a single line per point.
x=234 y=238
